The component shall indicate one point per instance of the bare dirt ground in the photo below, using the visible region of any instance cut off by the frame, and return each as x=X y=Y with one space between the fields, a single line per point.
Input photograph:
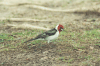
x=77 y=17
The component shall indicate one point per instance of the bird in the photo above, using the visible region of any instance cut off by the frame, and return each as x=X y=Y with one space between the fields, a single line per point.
x=49 y=35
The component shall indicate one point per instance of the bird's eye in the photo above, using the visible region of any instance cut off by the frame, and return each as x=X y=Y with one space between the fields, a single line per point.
x=62 y=29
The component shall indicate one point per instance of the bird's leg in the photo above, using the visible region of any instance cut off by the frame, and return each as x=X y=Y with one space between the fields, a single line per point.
x=48 y=41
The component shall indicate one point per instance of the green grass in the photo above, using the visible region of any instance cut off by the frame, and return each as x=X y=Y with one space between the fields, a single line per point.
x=61 y=58
x=97 y=44
x=4 y=36
x=70 y=60
x=64 y=59
x=79 y=41
x=22 y=34
x=88 y=57
x=92 y=34
x=2 y=22
x=65 y=39
x=27 y=33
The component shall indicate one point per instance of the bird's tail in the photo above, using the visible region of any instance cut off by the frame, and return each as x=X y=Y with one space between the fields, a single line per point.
x=29 y=40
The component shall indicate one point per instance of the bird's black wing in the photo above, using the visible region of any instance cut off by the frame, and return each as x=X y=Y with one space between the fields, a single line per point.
x=47 y=33
x=44 y=35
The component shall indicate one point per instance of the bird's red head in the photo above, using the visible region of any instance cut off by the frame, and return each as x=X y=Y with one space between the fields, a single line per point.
x=60 y=27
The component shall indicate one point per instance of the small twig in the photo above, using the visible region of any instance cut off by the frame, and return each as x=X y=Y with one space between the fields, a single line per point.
x=51 y=9
x=27 y=26
x=15 y=4
x=38 y=7
x=24 y=20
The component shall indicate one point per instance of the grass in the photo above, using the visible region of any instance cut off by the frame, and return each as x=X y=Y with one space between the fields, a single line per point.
x=67 y=43
x=79 y=45
x=8 y=41
x=92 y=34
x=4 y=36
x=2 y=22
x=97 y=44
x=79 y=42
x=64 y=59
x=89 y=35
x=70 y=60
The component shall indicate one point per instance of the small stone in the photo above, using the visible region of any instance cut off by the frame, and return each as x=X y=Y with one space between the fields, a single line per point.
x=45 y=52
x=91 y=47
x=44 y=58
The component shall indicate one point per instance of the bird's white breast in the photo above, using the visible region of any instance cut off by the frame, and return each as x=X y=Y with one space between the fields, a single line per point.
x=53 y=36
